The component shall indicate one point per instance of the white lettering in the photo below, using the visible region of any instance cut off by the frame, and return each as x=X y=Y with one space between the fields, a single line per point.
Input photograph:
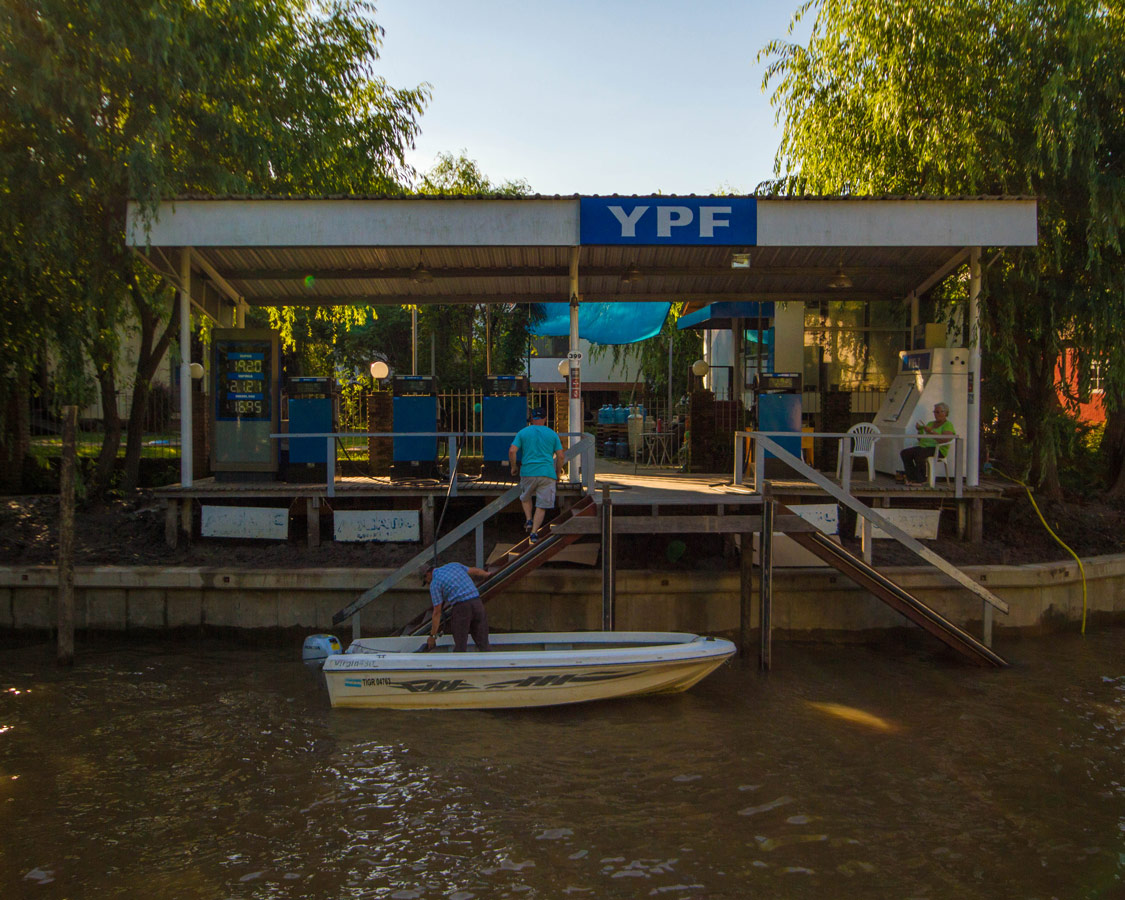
x=668 y=217
x=708 y=220
x=628 y=221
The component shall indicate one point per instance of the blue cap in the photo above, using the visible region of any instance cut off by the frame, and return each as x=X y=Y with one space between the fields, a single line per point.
x=537 y=413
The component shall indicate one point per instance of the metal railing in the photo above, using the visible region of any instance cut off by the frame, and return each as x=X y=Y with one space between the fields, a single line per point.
x=743 y=438
x=765 y=442
x=581 y=449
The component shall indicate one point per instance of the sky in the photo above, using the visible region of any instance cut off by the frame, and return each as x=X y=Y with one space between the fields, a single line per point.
x=587 y=97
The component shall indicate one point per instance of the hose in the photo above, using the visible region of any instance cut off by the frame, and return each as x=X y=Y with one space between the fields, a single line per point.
x=1035 y=506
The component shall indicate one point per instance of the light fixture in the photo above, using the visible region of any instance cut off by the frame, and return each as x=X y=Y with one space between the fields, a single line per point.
x=840 y=281
x=196 y=371
x=421 y=275
x=564 y=367
x=631 y=274
x=380 y=369
x=700 y=367
x=740 y=259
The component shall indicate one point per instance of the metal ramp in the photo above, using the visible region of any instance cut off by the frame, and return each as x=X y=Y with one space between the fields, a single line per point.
x=582 y=449
x=522 y=559
x=897 y=598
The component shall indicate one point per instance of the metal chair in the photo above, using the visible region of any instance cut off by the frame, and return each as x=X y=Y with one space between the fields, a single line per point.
x=862 y=446
x=946 y=463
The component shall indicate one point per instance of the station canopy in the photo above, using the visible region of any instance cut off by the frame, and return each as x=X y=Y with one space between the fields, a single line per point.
x=702 y=251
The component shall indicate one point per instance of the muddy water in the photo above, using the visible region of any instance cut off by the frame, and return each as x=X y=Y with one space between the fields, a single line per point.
x=209 y=771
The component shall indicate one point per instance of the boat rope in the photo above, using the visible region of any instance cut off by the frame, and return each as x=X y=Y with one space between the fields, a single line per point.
x=1077 y=559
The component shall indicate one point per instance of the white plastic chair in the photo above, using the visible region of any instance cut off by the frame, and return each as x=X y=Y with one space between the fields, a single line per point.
x=946 y=463
x=862 y=446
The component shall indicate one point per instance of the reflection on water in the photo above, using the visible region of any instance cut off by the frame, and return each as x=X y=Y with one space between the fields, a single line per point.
x=203 y=772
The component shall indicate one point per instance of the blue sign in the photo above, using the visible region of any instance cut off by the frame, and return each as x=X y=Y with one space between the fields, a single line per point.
x=674 y=221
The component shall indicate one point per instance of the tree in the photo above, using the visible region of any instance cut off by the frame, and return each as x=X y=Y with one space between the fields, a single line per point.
x=981 y=97
x=149 y=99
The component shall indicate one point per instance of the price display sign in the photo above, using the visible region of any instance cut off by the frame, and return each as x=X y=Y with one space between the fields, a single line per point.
x=244 y=386
x=245 y=394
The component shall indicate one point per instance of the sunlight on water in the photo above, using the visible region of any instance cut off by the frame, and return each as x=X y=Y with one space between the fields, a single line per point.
x=210 y=771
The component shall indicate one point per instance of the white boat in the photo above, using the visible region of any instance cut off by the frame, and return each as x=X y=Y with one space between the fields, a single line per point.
x=534 y=669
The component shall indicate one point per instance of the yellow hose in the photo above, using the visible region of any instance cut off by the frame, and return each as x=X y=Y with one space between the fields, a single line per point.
x=1035 y=506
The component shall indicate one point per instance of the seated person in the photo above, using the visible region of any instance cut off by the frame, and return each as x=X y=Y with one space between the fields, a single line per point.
x=914 y=458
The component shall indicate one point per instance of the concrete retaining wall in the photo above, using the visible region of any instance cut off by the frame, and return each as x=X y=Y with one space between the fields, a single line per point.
x=807 y=602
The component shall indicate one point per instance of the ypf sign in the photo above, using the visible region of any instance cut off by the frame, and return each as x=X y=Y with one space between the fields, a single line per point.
x=675 y=221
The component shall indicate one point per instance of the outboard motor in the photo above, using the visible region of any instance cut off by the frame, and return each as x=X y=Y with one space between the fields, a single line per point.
x=318 y=647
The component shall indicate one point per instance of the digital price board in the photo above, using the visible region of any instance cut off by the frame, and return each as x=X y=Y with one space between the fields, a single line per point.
x=245 y=400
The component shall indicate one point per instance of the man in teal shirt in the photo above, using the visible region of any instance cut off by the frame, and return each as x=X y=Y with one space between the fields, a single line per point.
x=537 y=457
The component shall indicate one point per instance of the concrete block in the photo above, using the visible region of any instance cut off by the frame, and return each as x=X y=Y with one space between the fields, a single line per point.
x=6 y=619
x=184 y=608
x=35 y=608
x=105 y=609
x=145 y=608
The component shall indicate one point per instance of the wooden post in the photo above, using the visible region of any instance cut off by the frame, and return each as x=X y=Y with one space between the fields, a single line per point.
x=609 y=575
x=312 y=520
x=746 y=597
x=172 y=522
x=66 y=536
x=865 y=538
x=428 y=535
x=765 y=583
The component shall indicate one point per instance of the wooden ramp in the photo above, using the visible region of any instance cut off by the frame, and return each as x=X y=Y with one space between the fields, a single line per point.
x=897 y=598
x=520 y=560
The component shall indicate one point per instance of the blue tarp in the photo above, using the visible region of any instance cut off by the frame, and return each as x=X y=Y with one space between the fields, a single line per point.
x=603 y=323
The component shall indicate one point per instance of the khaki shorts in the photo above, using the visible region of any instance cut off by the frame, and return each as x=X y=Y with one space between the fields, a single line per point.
x=542 y=487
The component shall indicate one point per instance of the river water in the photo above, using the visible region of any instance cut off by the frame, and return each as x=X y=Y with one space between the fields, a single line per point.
x=172 y=770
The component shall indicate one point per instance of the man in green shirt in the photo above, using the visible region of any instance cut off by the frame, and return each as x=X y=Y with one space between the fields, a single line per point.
x=537 y=457
x=914 y=458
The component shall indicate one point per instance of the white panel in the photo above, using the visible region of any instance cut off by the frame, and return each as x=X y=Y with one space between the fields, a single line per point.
x=385 y=525
x=917 y=523
x=360 y=223
x=897 y=223
x=245 y=522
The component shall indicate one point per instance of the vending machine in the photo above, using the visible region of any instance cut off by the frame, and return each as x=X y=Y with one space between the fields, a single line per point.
x=245 y=405
x=415 y=406
x=312 y=403
x=778 y=401
x=503 y=413
x=924 y=378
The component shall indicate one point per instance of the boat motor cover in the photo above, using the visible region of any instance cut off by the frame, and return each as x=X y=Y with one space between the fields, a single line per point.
x=320 y=646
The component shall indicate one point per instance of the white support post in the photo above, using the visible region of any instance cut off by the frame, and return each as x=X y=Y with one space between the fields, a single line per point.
x=186 y=462
x=972 y=441
x=414 y=341
x=574 y=383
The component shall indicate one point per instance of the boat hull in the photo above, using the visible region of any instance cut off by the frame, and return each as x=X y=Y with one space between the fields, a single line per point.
x=587 y=667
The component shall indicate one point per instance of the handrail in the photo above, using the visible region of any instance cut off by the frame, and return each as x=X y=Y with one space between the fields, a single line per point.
x=766 y=442
x=583 y=448
x=455 y=534
x=848 y=438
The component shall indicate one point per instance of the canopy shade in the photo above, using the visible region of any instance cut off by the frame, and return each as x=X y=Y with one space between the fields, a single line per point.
x=721 y=315
x=331 y=251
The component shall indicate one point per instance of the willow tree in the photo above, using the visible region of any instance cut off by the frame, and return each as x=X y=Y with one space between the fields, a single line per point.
x=111 y=100
x=991 y=97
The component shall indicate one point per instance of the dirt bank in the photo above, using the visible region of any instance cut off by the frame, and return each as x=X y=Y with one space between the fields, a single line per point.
x=131 y=532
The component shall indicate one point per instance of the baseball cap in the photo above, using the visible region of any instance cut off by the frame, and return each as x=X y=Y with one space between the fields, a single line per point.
x=537 y=413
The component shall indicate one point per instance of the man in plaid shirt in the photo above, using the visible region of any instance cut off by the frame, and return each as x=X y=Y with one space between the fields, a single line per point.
x=452 y=585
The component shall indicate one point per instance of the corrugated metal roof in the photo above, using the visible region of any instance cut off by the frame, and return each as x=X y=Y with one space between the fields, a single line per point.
x=516 y=199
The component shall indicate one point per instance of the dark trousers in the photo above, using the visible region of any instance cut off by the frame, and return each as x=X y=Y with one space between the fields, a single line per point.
x=914 y=462
x=465 y=618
